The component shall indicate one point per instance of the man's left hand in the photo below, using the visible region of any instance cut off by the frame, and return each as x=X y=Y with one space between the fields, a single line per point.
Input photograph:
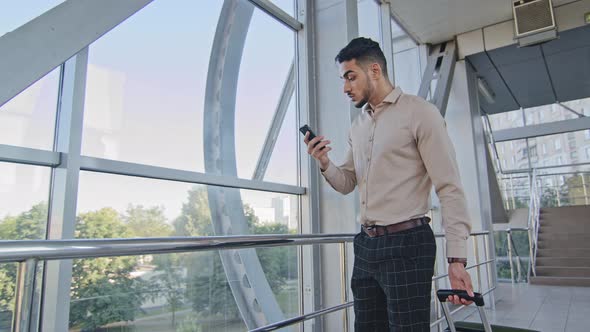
x=460 y=279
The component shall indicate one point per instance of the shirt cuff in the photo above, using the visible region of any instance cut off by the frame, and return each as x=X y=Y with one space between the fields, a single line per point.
x=330 y=172
x=457 y=248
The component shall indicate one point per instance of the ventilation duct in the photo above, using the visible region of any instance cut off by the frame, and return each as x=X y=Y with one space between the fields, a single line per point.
x=534 y=21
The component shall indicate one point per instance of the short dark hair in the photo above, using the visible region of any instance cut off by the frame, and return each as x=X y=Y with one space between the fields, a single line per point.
x=363 y=50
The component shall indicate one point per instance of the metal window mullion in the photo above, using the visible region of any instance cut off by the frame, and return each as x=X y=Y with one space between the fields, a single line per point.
x=101 y=165
x=64 y=191
x=310 y=262
x=278 y=14
x=386 y=36
x=275 y=127
x=20 y=155
x=37 y=47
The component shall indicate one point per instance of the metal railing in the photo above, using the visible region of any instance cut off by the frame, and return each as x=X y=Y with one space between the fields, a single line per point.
x=534 y=220
x=29 y=252
x=512 y=254
x=554 y=189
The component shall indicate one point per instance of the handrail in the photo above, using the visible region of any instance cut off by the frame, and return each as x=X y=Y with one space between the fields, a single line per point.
x=302 y=318
x=534 y=221
x=21 y=250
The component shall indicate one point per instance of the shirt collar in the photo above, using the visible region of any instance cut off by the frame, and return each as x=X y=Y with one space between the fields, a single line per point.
x=391 y=98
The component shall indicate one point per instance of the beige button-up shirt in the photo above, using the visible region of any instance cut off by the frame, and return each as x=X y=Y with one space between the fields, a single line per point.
x=397 y=152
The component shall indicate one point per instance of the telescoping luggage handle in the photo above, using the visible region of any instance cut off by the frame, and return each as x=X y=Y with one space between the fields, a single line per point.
x=477 y=298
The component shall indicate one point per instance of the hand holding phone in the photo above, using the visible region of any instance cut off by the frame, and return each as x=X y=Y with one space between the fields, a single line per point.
x=321 y=154
x=304 y=129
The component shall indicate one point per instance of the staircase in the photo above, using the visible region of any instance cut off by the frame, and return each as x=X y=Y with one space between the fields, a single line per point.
x=563 y=256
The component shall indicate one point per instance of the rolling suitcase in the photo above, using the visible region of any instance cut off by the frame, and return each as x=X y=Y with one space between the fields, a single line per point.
x=484 y=326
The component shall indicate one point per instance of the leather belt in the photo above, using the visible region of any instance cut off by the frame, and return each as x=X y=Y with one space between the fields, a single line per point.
x=377 y=230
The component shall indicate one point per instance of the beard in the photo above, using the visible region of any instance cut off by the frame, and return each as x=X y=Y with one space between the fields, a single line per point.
x=361 y=103
x=365 y=99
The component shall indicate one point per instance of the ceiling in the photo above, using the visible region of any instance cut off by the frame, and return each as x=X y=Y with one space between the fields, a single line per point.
x=437 y=21
x=558 y=70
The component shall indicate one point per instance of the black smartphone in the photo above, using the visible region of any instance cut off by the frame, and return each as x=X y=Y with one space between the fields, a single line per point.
x=304 y=129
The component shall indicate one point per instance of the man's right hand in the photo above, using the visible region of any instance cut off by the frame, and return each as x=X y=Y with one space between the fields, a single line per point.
x=316 y=151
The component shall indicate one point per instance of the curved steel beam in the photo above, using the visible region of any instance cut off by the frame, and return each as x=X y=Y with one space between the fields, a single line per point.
x=253 y=295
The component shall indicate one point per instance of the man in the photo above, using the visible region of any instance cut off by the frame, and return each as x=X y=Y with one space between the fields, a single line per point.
x=398 y=149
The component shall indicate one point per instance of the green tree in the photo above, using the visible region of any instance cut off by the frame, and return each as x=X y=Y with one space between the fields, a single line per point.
x=147 y=222
x=207 y=287
x=29 y=225
x=103 y=290
x=170 y=283
x=195 y=218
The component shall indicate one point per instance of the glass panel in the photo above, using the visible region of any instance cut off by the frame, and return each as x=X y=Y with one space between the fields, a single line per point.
x=408 y=71
x=148 y=95
x=141 y=100
x=28 y=120
x=287 y=5
x=282 y=167
x=513 y=154
x=189 y=291
x=261 y=80
x=151 y=207
x=368 y=16
x=24 y=191
x=512 y=119
x=16 y=13
x=173 y=292
x=23 y=216
x=7 y=294
x=555 y=112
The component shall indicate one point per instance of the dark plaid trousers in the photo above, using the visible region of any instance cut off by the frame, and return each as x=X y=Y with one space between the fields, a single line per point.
x=392 y=280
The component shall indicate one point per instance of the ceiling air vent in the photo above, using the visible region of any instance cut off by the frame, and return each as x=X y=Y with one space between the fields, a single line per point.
x=534 y=21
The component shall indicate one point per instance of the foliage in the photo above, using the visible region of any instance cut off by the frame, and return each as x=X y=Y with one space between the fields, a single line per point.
x=147 y=222
x=103 y=290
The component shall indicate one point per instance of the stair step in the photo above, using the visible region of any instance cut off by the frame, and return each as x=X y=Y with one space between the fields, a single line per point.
x=559 y=221
x=563 y=252
x=558 y=228
x=562 y=271
x=563 y=261
x=558 y=234
x=558 y=244
x=557 y=281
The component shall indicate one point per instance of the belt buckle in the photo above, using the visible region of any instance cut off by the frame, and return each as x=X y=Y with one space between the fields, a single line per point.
x=370 y=231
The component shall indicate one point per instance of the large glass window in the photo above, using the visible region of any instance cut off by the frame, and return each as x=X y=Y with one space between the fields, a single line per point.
x=145 y=101
x=28 y=120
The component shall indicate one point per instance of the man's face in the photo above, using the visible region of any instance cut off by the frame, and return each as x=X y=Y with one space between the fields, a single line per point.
x=356 y=82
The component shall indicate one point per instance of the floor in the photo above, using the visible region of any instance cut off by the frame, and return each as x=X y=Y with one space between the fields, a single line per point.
x=542 y=308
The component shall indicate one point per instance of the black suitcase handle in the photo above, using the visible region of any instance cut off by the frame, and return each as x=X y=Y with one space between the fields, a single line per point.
x=443 y=294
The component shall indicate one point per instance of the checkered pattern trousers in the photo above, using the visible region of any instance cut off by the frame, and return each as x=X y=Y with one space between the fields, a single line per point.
x=392 y=280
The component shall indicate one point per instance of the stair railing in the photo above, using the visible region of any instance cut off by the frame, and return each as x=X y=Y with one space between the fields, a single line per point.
x=533 y=221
